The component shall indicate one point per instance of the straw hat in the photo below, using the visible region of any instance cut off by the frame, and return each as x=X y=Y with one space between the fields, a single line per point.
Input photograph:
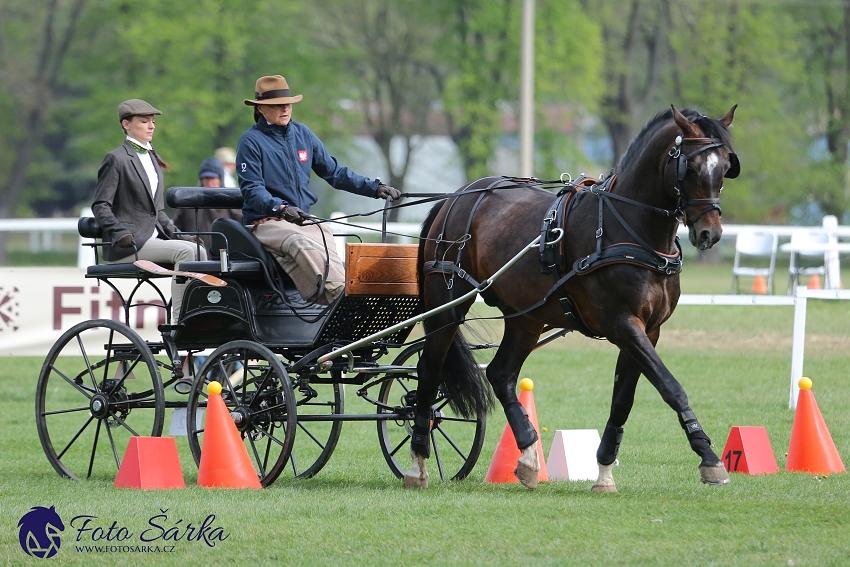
x=272 y=90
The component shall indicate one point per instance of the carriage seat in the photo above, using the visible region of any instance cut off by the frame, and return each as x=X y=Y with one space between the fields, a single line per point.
x=246 y=254
x=88 y=228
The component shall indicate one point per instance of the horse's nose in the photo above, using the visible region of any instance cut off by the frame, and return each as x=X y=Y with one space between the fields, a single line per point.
x=708 y=238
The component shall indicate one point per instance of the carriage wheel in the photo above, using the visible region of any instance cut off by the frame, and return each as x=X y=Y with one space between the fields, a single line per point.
x=455 y=441
x=317 y=438
x=257 y=391
x=98 y=387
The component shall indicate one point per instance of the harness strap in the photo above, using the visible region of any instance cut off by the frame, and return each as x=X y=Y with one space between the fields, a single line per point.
x=444 y=267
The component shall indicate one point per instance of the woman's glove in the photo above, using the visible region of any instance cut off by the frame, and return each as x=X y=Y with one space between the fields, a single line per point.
x=125 y=241
x=293 y=214
x=385 y=191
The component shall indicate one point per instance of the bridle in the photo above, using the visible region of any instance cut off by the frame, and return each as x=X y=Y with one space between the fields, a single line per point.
x=675 y=153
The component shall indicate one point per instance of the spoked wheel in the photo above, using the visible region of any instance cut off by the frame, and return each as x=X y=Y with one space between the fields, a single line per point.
x=257 y=391
x=317 y=437
x=455 y=441
x=98 y=387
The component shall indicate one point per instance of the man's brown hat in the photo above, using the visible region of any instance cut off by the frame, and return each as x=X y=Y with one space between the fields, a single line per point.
x=135 y=107
x=272 y=90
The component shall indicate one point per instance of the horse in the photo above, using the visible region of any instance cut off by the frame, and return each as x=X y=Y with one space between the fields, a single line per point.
x=617 y=279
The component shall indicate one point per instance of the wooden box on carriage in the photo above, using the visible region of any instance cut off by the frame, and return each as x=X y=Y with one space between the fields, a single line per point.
x=381 y=269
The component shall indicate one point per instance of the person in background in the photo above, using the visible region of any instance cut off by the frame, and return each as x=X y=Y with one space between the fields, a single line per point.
x=128 y=200
x=274 y=159
x=210 y=174
x=227 y=157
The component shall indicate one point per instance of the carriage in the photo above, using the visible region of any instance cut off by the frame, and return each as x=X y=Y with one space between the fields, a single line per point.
x=262 y=341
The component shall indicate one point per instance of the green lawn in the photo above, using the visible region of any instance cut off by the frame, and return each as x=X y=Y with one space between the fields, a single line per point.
x=733 y=361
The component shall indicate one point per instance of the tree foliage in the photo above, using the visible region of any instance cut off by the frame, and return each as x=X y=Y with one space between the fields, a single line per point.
x=418 y=68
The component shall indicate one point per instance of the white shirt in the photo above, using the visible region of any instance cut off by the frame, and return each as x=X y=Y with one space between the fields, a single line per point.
x=147 y=164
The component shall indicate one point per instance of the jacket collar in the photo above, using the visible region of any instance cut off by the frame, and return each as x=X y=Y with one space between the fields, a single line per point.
x=272 y=129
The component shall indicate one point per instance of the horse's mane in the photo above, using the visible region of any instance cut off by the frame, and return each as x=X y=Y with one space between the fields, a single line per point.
x=711 y=127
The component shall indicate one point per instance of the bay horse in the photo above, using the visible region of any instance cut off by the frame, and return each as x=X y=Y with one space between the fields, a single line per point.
x=617 y=278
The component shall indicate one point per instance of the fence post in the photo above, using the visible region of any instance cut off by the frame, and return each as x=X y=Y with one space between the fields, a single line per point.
x=798 y=343
x=831 y=261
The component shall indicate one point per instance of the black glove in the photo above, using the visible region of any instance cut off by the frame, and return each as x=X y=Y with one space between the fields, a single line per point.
x=291 y=213
x=125 y=241
x=385 y=191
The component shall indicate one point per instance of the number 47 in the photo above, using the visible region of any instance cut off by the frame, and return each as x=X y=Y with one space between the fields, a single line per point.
x=728 y=458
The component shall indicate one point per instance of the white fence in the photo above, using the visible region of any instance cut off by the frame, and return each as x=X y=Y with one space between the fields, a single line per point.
x=799 y=301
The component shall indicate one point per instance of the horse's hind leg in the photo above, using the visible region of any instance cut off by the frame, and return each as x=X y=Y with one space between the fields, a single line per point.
x=440 y=330
x=519 y=340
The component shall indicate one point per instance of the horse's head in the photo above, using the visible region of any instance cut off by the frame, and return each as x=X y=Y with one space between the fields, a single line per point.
x=698 y=161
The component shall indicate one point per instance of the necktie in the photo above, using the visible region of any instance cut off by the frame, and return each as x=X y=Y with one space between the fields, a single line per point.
x=138 y=148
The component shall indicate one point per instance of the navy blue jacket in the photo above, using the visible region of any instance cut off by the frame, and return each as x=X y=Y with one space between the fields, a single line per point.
x=274 y=162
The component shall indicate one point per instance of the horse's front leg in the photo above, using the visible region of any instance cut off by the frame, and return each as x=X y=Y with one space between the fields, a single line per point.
x=635 y=342
x=519 y=340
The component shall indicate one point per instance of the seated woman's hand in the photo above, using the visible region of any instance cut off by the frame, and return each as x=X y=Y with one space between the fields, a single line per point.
x=125 y=241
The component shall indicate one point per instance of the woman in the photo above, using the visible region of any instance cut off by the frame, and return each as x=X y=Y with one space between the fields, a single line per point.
x=128 y=200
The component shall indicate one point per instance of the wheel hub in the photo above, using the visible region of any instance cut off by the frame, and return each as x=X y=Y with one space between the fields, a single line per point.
x=99 y=406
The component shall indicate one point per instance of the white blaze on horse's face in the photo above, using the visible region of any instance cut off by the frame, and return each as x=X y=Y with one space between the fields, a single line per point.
x=710 y=163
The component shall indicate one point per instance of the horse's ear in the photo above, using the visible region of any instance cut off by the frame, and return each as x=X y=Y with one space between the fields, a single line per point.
x=687 y=128
x=727 y=118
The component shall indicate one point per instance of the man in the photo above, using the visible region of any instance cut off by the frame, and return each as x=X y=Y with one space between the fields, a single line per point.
x=227 y=157
x=274 y=159
x=210 y=174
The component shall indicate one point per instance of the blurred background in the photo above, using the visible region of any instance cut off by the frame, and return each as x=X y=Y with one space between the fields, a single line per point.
x=424 y=93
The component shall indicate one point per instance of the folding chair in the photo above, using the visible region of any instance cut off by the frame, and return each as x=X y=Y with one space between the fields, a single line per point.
x=807 y=244
x=753 y=243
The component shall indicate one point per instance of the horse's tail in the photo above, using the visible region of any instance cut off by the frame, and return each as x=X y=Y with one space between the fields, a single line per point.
x=468 y=390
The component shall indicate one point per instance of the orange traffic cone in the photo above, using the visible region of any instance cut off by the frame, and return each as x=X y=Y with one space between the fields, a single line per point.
x=150 y=463
x=814 y=282
x=224 y=458
x=811 y=449
x=760 y=285
x=505 y=458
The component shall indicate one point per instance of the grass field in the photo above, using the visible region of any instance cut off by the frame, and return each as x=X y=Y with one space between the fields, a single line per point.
x=733 y=361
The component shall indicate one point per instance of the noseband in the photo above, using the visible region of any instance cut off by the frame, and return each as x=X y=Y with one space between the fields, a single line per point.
x=675 y=153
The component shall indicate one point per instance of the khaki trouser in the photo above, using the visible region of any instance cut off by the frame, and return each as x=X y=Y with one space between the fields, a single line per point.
x=304 y=252
x=168 y=252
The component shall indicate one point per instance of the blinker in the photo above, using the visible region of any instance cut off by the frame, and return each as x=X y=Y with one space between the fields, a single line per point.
x=681 y=167
x=734 y=166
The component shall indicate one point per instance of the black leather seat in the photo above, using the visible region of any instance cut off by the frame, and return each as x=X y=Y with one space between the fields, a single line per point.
x=88 y=228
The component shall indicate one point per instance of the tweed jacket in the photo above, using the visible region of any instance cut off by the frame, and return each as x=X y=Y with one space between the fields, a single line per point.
x=123 y=202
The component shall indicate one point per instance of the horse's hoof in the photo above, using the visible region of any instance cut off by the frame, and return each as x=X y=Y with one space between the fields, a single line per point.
x=714 y=475
x=603 y=488
x=415 y=482
x=527 y=475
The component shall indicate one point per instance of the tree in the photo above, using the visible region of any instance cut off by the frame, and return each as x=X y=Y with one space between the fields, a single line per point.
x=31 y=66
x=826 y=50
x=385 y=48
